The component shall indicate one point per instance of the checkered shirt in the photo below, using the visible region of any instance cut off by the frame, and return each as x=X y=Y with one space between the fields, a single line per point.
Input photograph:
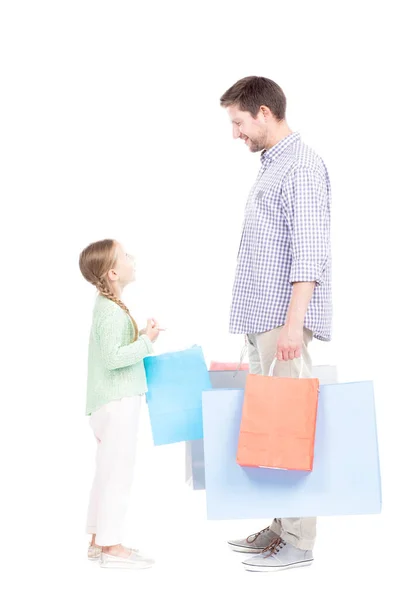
x=285 y=239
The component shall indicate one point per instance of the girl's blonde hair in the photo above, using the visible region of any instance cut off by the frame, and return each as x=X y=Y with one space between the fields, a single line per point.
x=94 y=262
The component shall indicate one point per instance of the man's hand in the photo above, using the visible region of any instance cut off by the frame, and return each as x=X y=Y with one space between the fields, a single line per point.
x=290 y=342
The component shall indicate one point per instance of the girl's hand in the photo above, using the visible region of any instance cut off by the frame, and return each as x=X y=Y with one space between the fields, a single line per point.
x=152 y=330
x=144 y=331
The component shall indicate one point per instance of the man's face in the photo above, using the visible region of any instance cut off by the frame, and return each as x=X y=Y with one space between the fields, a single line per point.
x=253 y=131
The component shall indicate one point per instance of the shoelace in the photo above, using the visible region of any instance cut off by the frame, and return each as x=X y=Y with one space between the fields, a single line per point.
x=256 y=535
x=274 y=547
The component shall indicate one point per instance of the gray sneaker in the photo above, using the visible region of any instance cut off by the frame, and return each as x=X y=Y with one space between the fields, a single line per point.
x=279 y=555
x=255 y=543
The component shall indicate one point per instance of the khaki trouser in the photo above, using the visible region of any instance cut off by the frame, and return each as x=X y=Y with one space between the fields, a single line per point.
x=300 y=532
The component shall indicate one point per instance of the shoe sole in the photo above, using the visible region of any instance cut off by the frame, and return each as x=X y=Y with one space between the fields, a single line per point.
x=260 y=569
x=125 y=566
x=245 y=550
x=122 y=565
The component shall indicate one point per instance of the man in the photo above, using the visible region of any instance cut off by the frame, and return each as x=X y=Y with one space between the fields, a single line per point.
x=282 y=290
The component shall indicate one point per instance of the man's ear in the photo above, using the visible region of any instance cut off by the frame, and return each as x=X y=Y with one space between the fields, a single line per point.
x=266 y=113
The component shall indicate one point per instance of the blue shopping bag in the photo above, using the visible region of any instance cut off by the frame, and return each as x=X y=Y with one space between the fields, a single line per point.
x=194 y=451
x=175 y=382
x=346 y=476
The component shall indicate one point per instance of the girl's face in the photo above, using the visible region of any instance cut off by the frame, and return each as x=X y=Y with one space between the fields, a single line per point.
x=124 y=271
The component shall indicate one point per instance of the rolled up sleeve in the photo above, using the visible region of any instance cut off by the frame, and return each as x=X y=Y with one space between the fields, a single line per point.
x=306 y=205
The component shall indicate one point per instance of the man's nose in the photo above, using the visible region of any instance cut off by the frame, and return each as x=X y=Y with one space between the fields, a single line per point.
x=236 y=132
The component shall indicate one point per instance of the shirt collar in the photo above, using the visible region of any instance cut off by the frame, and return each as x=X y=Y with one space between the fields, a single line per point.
x=267 y=156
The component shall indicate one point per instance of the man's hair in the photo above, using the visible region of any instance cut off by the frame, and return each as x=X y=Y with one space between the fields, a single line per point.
x=250 y=93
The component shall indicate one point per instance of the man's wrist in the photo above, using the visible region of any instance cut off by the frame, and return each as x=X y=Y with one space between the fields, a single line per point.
x=294 y=322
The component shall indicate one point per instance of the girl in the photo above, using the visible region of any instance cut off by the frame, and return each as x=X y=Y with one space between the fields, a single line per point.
x=115 y=388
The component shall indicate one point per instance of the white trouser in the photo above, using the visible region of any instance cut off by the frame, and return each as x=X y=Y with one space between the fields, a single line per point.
x=115 y=426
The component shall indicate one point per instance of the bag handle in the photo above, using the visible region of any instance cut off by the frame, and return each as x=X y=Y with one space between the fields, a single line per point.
x=242 y=355
x=271 y=371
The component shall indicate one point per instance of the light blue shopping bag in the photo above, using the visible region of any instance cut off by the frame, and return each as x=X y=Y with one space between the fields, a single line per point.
x=175 y=382
x=346 y=476
x=194 y=451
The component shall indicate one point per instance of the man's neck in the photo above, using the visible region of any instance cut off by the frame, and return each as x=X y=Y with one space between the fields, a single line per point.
x=279 y=134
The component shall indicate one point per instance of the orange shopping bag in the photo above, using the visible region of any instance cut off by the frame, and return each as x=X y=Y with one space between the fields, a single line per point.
x=277 y=430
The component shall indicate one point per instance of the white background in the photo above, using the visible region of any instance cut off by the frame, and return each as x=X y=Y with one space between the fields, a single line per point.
x=111 y=127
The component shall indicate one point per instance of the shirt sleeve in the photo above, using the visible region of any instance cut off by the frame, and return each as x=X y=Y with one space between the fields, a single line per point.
x=306 y=205
x=114 y=354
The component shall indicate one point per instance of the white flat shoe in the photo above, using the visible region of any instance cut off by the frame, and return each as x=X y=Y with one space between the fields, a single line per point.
x=94 y=553
x=134 y=561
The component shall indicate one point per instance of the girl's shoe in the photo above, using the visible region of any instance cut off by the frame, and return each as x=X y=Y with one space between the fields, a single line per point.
x=134 y=561
x=94 y=552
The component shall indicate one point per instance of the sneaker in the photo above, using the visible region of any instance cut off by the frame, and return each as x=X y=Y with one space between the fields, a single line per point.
x=279 y=555
x=134 y=561
x=255 y=543
x=94 y=552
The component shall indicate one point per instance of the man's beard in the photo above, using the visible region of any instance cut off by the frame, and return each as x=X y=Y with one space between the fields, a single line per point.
x=255 y=146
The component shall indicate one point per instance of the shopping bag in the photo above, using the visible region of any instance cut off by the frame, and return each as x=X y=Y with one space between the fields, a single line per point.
x=194 y=451
x=228 y=366
x=228 y=379
x=278 y=422
x=345 y=479
x=175 y=382
x=194 y=464
x=325 y=374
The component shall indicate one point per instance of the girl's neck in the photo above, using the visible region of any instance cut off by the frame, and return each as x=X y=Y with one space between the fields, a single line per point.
x=117 y=289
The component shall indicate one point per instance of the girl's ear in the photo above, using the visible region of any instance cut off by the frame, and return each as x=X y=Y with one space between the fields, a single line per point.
x=112 y=275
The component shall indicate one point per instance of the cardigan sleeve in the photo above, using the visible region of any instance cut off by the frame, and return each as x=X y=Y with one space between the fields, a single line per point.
x=114 y=354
